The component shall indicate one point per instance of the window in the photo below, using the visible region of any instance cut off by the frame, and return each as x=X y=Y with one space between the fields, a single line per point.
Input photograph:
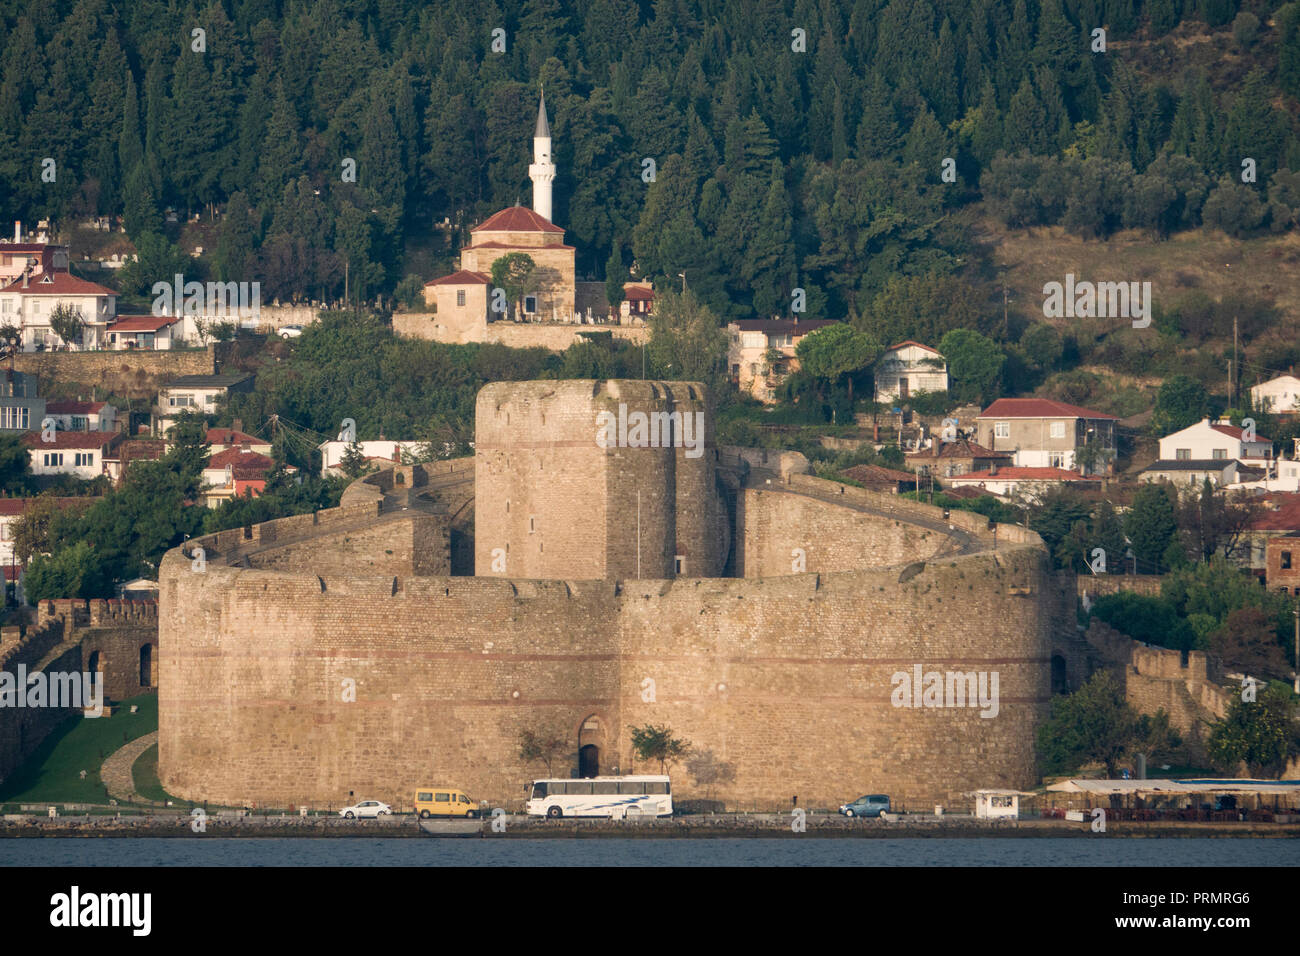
x=1056 y=460
x=79 y=423
x=532 y=524
x=530 y=303
x=1182 y=454
x=604 y=787
x=442 y=798
x=53 y=460
x=84 y=459
x=424 y=797
x=1058 y=429
x=679 y=564
x=1219 y=454
x=460 y=297
x=631 y=786
x=1002 y=430
x=1285 y=563
x=656 y=786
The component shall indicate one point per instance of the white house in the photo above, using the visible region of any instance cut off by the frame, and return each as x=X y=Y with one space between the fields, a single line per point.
x=70 y=453
x=908 y=368
x=377 y=452
x=1214 y=441
x=82 y=416
x=29 y=301
x=34 y=254
x=1029 y=483
x=197 y=393
x=1278 y=395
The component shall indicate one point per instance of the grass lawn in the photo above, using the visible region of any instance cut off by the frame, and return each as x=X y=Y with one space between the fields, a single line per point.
x=53 y=773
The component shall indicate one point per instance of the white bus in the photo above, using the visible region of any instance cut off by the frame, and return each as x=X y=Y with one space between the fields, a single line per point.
x=616 y=797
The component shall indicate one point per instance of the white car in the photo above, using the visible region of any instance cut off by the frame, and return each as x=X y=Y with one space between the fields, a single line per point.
x=366 y=808
x=289 y=331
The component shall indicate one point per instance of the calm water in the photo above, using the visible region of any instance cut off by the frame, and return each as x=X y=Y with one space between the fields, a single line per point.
x=816 y=851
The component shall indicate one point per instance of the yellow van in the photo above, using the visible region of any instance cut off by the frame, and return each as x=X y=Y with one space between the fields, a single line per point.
x=444 y=802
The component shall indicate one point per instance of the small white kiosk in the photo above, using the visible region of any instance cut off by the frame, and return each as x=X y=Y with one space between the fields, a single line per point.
x=998 y=804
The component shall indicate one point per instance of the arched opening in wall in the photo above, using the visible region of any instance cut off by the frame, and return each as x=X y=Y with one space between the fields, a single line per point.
x=591 y=741
x=1060 y=683
x=95 y=664
x=148 y=666
x=589 y=761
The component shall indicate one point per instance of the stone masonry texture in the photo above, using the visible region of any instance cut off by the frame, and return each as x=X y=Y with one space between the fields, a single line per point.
x=784 y=675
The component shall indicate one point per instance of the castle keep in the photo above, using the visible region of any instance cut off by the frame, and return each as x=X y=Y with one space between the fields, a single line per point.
x=615 y=584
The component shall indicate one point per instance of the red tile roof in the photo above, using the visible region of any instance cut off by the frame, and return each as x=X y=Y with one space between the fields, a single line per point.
x=61 y=282
x=1039 y=408
x=237 y=457
x=228 y=436
x=510 y=245
x=517 y=219
x=637 y=293
x=10 y=507
x=1285 y=518
x=65 y=440
x=1233 y=431
x=74 y=408
x=141 y=323
x=463 y=277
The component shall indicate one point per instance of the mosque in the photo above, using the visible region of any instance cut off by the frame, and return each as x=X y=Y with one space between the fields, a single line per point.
x=462 y=298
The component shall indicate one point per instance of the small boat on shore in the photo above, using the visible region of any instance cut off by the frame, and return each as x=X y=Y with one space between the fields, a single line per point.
x=452 y=828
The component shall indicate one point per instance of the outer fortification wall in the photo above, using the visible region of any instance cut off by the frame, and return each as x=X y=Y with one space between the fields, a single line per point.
x=788 y=679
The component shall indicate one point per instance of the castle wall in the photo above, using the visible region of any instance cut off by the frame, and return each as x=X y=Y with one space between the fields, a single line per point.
x=556 y=337
x=786 y=678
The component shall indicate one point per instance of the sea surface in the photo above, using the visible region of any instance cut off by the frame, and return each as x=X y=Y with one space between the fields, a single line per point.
x=613 y=851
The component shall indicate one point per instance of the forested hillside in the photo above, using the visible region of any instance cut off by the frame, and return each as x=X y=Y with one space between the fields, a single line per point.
x=782 y=160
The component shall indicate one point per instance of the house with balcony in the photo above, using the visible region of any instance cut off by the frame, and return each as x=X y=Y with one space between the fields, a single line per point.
x=907 y=369
x=1044 y=433
x=28 y=303
x=148 y=332
x=1027 y=483
x=761 y=352
x=201 y=394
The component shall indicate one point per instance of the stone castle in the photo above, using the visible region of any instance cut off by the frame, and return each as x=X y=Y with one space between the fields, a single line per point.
x=600 y=564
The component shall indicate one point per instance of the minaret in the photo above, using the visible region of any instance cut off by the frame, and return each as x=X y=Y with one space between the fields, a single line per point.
x=542 y=170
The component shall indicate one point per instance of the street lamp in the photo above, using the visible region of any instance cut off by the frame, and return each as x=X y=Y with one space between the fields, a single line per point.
x=682 y=276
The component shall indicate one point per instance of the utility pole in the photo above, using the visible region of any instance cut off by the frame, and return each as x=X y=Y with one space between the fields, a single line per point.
x=1236 y=363
x=1297 y=646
